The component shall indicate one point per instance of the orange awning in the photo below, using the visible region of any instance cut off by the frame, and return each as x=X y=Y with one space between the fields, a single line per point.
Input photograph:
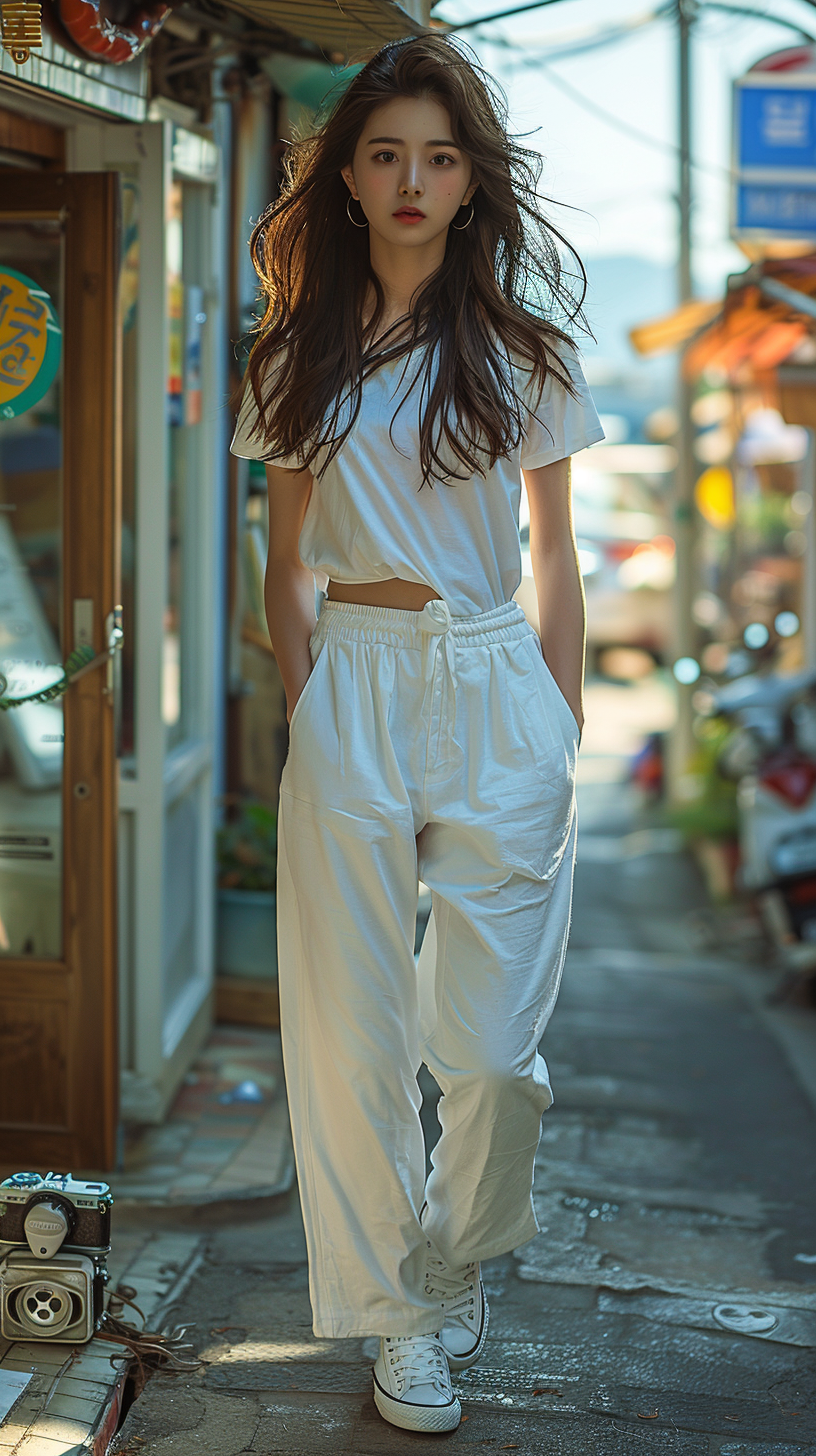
x=747 y=328
x=660 y=335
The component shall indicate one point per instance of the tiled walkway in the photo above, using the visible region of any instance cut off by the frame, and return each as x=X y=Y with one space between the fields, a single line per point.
x=226 y=1137
x=71 y=1402
x=227 y=1134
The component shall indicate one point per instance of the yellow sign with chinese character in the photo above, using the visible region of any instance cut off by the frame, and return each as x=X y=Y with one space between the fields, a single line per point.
x=30 y=343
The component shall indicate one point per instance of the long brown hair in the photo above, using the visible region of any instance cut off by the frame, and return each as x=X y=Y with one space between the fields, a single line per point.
x=498 y=291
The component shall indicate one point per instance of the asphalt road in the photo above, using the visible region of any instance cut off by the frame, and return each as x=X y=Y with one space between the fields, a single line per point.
x=669 y=1303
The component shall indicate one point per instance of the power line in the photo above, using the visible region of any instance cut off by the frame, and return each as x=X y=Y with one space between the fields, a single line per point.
x=750 y=12
x=589 y=39
x=502 y=14
x=668 y=148
x=604 y=35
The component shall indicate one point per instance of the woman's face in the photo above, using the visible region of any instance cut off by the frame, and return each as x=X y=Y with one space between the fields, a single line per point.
x=407 y=175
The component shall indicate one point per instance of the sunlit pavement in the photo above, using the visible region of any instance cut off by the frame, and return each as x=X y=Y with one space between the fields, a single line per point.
x=669 y=1303
x=617 y=719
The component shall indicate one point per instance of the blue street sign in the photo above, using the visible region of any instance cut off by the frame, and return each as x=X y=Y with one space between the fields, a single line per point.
x=777 y=128
x=786 y=210
x=774 y=195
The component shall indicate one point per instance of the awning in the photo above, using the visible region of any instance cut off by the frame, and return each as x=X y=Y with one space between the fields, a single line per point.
x=767 y=311
x=660 y=335
x=344 y=26
x=308 y=82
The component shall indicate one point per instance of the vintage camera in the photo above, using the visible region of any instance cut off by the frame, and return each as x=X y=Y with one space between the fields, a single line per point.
x=54 y=1242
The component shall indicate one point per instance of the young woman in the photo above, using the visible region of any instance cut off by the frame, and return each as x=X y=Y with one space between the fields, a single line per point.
x=407 y=368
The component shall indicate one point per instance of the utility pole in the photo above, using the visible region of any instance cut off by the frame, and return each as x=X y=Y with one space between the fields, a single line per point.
x=681 y=742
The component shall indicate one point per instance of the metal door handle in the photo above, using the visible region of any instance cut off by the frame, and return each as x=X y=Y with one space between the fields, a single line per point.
x=80 y=662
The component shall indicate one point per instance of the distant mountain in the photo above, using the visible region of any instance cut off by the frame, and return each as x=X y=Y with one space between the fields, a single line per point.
x=624 y=291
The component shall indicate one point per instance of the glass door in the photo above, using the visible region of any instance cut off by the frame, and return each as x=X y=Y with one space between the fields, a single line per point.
x=174 y=462
x=31 y=626
x=59 y=413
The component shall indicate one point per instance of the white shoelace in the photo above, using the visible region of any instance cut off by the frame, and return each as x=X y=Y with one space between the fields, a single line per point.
x=417 y=1360
x=457 y=1291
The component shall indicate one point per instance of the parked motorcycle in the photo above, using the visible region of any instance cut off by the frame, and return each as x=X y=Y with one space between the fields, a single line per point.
x=772 y=755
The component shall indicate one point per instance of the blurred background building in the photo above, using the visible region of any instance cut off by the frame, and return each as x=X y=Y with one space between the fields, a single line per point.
x=138 y=144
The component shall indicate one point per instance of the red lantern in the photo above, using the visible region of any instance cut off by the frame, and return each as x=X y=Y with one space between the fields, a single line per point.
x=103 y=38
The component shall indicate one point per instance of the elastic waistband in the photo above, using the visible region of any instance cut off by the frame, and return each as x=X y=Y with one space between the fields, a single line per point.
x=350 y=620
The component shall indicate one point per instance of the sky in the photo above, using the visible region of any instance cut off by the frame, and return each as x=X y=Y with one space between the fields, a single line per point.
x=616 y=192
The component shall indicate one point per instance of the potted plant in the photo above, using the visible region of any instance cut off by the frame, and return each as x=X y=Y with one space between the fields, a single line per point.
x=247 y=859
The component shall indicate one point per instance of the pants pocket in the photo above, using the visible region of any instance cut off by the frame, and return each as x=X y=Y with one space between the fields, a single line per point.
x=316 y=648
x=549 y=686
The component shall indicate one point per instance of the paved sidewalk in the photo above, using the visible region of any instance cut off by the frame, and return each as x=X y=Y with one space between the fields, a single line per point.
x=73 y=1399
x=669 y=1303
x=226 y=1142
x=226 y=1135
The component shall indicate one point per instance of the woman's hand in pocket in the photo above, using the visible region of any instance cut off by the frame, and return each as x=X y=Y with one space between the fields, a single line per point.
x=292 y=697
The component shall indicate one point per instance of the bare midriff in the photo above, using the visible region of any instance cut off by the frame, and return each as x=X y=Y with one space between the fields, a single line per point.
x=406 y=596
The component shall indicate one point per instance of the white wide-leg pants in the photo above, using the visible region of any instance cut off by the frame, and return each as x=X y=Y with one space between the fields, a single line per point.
x=440 y=748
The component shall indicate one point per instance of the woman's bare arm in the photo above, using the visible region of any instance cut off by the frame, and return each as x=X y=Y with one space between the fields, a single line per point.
x=289 y=587
x=557 y=575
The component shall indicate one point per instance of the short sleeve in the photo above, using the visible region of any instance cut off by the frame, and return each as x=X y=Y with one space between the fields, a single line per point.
x=559 y=424
x=247 y=441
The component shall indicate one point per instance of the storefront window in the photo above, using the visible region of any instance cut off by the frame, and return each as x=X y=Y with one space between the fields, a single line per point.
x=32 y=645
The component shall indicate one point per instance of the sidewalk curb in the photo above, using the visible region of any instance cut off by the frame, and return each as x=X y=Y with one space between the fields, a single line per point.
x=196 y=1201
x=50 y=1420
x=268 y=1154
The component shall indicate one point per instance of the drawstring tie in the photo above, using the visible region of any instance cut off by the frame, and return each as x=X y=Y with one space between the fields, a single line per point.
x=436 y=616
x=436 y=621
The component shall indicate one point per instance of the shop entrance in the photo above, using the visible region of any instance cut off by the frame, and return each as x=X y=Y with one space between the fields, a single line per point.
x=59 y=537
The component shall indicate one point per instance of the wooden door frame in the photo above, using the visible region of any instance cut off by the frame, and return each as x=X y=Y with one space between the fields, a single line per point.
x=34 y=141
x=84 y=980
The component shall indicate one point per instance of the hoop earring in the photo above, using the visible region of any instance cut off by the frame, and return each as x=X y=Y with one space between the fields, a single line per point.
x=349 y=200
x=460 y=228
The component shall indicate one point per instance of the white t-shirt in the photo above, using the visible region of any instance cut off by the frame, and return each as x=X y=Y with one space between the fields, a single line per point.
x=368 y=520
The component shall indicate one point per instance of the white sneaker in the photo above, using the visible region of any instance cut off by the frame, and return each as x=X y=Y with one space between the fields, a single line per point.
x=465 y=1312
x=412 y=1386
